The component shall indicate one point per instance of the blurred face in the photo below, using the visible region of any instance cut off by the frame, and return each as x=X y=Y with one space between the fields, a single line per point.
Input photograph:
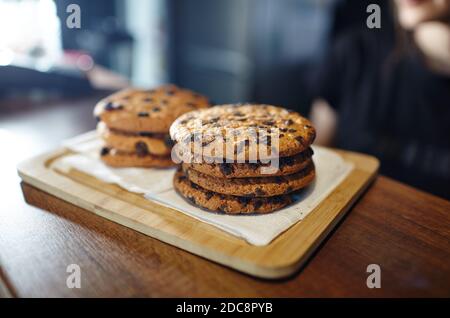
x=413 y=12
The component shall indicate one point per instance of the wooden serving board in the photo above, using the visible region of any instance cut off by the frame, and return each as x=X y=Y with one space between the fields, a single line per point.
x=281 y=258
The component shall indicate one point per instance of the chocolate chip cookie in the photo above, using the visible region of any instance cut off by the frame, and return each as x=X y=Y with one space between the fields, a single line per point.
x=286 y=165
x=134 y=124
x=228 y=204
x=120 y=159
x=253 y=187
x=243 y=158
x=139 y=142
x=152 y=110
x=243 y=131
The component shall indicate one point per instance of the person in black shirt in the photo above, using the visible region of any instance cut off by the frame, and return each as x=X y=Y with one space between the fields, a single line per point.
x=390 y=96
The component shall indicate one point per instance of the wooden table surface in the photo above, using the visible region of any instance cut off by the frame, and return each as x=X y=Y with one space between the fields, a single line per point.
x=403 y=230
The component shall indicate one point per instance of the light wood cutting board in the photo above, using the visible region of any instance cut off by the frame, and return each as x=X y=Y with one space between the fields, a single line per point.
x=281 y=258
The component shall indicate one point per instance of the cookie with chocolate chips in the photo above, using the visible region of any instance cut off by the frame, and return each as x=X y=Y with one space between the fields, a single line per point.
x=154 y=110
x=154 y=143
x=243 y=131
x=253 y=187
x=243 y=158
x=139 y=158
x=286 y=166
x=227 y=204
x=134 y=124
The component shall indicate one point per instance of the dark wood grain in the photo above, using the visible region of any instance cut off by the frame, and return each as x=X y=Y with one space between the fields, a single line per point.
x=403 y=230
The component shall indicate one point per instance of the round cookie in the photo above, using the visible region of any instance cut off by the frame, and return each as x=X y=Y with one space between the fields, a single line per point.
x=119 y=159
x=226 y=203
x=147 y=110
x=286 y=166
x=253 y=187
x=142 y=143
x=238 y=131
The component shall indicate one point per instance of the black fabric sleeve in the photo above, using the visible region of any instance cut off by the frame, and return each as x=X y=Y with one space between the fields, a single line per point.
x=330 y=78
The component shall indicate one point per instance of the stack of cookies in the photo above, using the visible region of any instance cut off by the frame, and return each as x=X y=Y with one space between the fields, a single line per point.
x=134 y=124
x=244 y=158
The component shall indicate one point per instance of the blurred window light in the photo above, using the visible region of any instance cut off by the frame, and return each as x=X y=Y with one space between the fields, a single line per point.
x=6 y=57
x=29 y=28
x=145 y=20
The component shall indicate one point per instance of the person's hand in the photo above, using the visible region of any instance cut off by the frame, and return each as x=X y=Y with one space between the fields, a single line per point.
x=324 y=119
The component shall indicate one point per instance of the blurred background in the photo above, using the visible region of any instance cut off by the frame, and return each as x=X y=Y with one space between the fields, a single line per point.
x=266 y=51
x=230 y=50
